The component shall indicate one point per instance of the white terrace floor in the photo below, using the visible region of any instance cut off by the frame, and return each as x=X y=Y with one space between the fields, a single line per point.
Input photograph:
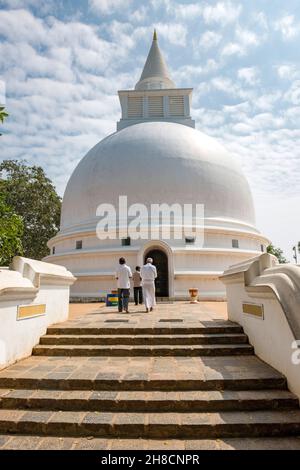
x=192 y=313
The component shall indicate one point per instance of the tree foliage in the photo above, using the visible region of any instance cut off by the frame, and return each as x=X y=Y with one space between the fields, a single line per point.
x=31 y=195
x=11 y=231
x=277 y=252
x=3 y=114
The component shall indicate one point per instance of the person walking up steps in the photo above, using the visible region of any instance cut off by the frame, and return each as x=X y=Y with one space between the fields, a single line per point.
x=123 y=276
x=149 y=274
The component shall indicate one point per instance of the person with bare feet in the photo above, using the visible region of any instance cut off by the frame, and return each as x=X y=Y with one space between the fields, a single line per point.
x=149 y=274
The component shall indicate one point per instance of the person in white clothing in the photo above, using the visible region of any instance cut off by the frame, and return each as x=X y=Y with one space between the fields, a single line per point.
x=123 y=276
x=149 y=274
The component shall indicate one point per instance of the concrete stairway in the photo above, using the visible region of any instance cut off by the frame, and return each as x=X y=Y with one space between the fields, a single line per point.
x=170 y=382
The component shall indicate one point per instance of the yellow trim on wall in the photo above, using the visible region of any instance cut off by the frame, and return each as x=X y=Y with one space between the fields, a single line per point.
x=30 y=311
x=254 y=309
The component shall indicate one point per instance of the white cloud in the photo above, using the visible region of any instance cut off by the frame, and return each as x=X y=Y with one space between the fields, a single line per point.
x=139 y=15
x=245 y=39
x=288 y=71
x=221 y=13
x=108 y=7
x=261 y=19
x=210 y=39
x=59 y=106
x=293 y=93
x=228 y=86
x=267 y=101
x=189 y=74
x=122 y=33
x=2 y=92
x=186 y=11
x=175 y=33
x=21 y=25
x=233 y=48
x=287 y=26
x=237 y=109
x=249 y=75
x=44 y=7
x=19 y=3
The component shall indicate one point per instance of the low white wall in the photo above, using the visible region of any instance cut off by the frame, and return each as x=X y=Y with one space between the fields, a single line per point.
x=30 y=283
x=260 y=281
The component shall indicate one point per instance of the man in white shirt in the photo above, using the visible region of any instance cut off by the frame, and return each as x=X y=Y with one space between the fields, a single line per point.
x=149 y=274
x=123 y=276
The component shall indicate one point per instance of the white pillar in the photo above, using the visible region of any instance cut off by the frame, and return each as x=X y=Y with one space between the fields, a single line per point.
x=166 y=106
x=145 y=107
x=186 y=106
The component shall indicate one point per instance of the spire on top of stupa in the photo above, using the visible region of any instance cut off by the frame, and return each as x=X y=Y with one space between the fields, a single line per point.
x=155 y=74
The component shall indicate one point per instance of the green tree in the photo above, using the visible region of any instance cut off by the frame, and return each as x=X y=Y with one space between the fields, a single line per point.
x=277 y=252
x=3 y=114
x=11 y=231
x=31 y=195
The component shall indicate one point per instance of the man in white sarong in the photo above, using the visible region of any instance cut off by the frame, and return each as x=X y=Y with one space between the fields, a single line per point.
x=149 y=274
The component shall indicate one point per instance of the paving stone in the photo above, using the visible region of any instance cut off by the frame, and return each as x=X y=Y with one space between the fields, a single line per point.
x=47 y=394
x=75 y=395
x=66 y=369
x=72 y=417
x=127 y=444
x=4 y=392
x=104 y=395
x=136 y=376
x=174 y=444
x=4 y=440
x=98 y=359
x=130 y=418
x=22 y=443
x=58 y=375
x=98 y=418
x=110 y=376
x=56 y=443
x=203 y=444
x=36 y=416
x=11 y=415
x=20 y=393
x=91 y=444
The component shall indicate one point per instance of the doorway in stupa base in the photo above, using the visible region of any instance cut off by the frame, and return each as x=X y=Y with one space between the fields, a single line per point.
x=160 y=260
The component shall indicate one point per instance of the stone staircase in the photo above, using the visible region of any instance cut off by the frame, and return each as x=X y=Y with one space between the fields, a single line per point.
x=216 y=341
x=183 y=381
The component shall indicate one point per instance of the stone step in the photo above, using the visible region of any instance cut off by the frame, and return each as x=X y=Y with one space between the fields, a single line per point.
x=169 y=373
x=236 y=338
x=34 y=442
x=153 y=401
x=161 y=329
x=121 y=351
x=152 y=425
x=105 y=383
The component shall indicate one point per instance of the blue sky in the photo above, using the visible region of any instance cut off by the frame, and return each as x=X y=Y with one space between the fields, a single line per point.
x=62 y=62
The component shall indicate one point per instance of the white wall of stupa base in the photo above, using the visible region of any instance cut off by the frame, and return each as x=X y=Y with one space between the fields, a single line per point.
x=94 y=265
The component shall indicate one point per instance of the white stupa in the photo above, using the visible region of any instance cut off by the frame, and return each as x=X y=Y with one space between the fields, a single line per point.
x=155 y=157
